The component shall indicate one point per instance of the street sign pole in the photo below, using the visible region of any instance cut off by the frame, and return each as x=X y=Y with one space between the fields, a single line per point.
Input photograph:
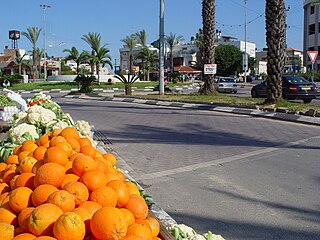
x=312 y=77
x=313 y=57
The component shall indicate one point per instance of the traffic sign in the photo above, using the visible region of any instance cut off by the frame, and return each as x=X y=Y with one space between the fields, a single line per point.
x=210 y=68
x=313 y=56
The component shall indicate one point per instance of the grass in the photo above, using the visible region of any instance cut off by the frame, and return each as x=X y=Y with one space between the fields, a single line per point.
x=69 y=85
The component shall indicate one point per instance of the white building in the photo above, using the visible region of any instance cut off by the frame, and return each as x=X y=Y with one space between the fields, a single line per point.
x=226 y=40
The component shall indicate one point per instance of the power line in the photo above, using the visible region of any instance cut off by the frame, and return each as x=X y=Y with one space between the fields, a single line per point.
x=241 y=25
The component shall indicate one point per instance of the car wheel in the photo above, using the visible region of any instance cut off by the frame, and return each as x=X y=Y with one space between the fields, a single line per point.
x=307 y=100
x=254 y=93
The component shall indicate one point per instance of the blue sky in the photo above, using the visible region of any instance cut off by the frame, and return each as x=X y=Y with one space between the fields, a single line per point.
x=68 y=20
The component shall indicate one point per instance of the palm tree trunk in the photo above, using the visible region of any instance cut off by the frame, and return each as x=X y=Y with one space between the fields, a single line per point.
x=208 y=21
x=171 y=62
x=130 y=70
x=34 y=63
x=19 y=68
x=275 y=38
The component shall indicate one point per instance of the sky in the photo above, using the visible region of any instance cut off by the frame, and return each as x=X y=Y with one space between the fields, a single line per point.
x=68 y=20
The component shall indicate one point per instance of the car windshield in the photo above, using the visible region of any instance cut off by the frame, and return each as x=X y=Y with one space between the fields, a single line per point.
x=295 y=79
x=226 y=80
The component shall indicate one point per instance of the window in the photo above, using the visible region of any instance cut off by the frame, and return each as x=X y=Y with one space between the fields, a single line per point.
x=312 y=29
x=312 y=10
x=311 y=49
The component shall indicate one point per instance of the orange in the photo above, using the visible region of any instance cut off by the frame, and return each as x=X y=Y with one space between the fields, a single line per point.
x=82 y=163
x=55 y=140
x=74 y=143
x=78 y=190
x=143 y=222
x=29 y=146
x=132 y=188
x=56 y=154
x=39 y=152
x=4 y=198
x=112 y=174
x=91 y=206
x=2 y=166
x=70 y=132
x=22 y=155
x=36 y=166
x=23 y=218
x=69 y=226
x=110 y=157
x=121 y=190
x=25 y=180
x=17 y=150
x=69 y=178
x=7 y=231
x=7 y=215
x=88 y=150
x=41 y=193
x=50 y=173
x=98 y=154
x=26 y=164
x=93 y=179
x=84 y=142
x=137 y=206
x=24 y=236
x=128 y=216
x=105 y=196
x=44 y=139
x=108 y=223
x=4 y=188
x=101 y=165
x=20 y=198
x=155 y=226
x=12 y=159
x=12 y=183
x=45 y=238
x=86 y=217
x=139 y=230
x=55 y=132
x=8 y=175
x=63 y=200
x=74 y=155
x=42 y=219
x=66 y=147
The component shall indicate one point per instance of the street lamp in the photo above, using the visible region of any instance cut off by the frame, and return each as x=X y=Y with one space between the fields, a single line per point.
x=245 y=42
x=161 y=49
x=44 y=7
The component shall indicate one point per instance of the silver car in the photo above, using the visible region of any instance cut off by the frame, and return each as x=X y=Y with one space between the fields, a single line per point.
x=226 y=84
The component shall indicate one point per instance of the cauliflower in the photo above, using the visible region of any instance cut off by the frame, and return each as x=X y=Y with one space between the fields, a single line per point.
x=60 y=125
x=23 y=132
x=19 y=118
x=83 y=128
x=40 y=115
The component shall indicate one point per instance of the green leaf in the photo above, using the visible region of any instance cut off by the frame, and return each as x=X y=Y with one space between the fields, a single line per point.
x=27 y=136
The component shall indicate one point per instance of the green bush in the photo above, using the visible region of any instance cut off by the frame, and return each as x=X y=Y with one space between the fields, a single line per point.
x=85 y=82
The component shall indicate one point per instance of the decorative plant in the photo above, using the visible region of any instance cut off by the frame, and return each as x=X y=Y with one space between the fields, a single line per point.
x=13 y=79
x=127 y=82
x=85 y=81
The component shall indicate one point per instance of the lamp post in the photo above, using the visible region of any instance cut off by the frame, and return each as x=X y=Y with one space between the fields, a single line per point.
x=44 y=7
x=161 y=49
x=245 y=42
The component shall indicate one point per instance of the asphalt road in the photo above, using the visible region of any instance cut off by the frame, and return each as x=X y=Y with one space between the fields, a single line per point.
x=239 y=176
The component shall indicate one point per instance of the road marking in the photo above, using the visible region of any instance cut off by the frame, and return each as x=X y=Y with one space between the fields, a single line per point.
x=221 y=161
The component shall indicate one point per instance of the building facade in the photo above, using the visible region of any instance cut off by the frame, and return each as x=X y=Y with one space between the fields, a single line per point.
x=311 y=38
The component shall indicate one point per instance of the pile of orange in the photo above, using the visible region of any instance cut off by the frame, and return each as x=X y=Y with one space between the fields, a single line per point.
x=61 y=187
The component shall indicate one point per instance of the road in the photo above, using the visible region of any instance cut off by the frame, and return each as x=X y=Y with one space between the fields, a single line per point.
x=239 y=176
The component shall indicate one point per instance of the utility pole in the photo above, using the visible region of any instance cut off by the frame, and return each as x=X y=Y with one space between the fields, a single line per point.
x=44 y=7
x=245 y=42
x=161 y=49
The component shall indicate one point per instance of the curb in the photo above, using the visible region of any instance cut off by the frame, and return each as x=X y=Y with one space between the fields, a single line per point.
x=209 y=107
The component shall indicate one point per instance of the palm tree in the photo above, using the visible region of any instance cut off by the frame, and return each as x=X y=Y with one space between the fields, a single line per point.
x=172 y=40
x=102 y=57
x=39 y=54
x=32 y=35
x=75 y=56
x=142 y=37
x=207 y=54
x=275 y=38
x=130 y=42
x=19 y=60
x=148 y=57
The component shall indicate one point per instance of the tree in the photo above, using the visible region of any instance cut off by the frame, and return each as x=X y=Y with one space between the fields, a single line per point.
x=39 y=54
x=229 y=60
x=19 y=60
x=102 y=57
x=127 y=82
x=142 y=37
x=208 y=50
x=148 y=57
x=32 y=35
x=85 y=81
x=172 y=40
x=94 y=41
x=75 y=56
x=275 y=38
x=199 y=43
x=130 y=42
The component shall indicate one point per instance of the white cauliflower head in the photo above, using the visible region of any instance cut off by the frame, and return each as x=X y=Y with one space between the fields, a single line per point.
x=60 y=125
x=23 y=132
x=38 y=114
x=83 y=128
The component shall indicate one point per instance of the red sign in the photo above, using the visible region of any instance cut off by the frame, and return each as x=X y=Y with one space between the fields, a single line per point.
x=313 y=56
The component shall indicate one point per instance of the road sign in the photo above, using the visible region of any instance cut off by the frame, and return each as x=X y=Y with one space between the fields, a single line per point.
x=210 y=68
x=313 y=56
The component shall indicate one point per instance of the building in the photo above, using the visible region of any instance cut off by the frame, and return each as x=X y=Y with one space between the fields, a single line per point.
x=311 y=39
x=227 y=40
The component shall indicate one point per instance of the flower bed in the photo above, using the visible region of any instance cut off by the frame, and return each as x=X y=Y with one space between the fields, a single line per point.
x=55 y=181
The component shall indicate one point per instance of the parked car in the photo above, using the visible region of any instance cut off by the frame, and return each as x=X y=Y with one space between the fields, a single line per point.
x=226 y=84
x=293 y=87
